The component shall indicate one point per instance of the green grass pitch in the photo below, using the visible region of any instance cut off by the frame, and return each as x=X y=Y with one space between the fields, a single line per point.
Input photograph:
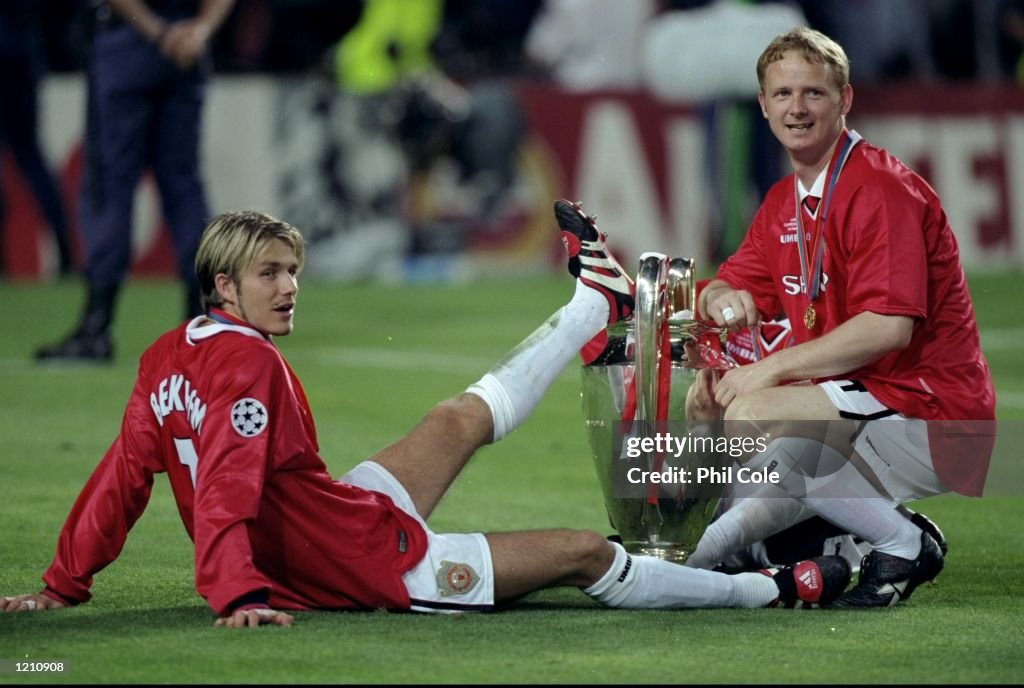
x=373 y=359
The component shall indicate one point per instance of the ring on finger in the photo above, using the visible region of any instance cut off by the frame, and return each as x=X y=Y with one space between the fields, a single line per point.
x=729 y=314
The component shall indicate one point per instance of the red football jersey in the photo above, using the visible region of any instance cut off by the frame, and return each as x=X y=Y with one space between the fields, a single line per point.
x=218 y=409
x=889 y=249
x=751 y=344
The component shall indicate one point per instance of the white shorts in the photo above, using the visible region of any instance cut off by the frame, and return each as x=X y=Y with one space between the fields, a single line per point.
x=456 y=574
x=893 y=445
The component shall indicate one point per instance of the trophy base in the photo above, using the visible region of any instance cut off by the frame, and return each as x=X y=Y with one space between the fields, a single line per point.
x=667 y=551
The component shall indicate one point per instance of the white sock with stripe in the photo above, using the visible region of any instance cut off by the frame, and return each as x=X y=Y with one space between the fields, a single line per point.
x=839 y=492
x=748 y=520
x=516 y=384
x=642 y=582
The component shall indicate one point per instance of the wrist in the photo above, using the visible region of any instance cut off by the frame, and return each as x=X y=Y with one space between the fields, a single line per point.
x=248 y=607
x=57 y=597
x=160 y=34
x=775 y=368
x=201 y=31
x=258 y=599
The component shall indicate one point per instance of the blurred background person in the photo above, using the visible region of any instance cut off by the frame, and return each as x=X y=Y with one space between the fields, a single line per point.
x=591 y=44
x=22 y=64
x=408 y=159
x=1010 y=41
x=744 y=160
x=147 y=78
x=885 y=40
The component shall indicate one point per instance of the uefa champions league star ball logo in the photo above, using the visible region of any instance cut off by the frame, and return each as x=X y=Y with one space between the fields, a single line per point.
x=248 y=417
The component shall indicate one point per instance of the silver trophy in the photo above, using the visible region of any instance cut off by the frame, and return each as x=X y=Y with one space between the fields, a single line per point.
x=635 y=393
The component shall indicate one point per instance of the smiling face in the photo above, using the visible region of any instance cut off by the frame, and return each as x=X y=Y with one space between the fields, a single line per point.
x=264 y=294
x=805 y=109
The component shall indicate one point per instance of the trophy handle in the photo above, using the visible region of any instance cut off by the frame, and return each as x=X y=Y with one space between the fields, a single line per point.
x=664 y=289
x=682 y=287
x=648 y=330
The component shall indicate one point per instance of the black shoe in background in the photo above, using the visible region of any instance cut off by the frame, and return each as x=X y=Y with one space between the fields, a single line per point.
x=78 y=348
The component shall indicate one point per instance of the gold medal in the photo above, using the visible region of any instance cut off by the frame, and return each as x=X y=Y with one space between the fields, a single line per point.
x=811 y=244
x=810 y=317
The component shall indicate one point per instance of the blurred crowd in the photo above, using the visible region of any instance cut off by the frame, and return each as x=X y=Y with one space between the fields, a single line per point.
x=405 y=130
x=886 y=40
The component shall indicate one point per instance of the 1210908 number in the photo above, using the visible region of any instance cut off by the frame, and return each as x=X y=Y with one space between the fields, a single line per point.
x=39 y=666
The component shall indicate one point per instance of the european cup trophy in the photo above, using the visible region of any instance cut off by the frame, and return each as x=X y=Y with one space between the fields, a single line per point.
x=656 y=474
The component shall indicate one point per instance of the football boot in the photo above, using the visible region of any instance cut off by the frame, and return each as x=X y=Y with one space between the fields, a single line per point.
x=811 y=583
x=886 y=579
x=591 y=262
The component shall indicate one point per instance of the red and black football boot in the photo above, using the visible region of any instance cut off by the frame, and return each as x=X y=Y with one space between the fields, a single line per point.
x=591 y=262
x=811 y=583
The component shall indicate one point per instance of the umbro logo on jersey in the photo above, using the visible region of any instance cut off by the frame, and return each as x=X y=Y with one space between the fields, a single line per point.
x=791 y=238
x=248 y=417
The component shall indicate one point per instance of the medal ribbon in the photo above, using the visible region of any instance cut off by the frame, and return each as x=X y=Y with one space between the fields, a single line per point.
x=812 y=276
x=220 y=317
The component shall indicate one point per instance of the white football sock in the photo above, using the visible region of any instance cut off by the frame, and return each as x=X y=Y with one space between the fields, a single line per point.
x=642 y=582
x=750 y=519
x=827 y=483
x=516 y=384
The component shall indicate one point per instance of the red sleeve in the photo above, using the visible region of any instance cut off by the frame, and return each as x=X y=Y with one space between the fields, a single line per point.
x=885 y=254
x=750 y=267
x=242 y=429
x=112 y=500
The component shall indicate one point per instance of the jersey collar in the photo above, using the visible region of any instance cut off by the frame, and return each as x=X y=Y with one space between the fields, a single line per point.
x=817 y=189
x=214 y=323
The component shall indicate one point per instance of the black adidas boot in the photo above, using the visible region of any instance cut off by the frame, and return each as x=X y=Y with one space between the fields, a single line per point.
x=91 y=342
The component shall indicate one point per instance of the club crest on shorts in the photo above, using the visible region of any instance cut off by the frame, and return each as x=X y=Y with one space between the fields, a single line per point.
x=455 y=579
x=248 y=417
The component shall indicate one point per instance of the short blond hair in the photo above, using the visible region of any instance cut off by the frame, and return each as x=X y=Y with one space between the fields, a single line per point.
x=232 y=241
x=814 y=46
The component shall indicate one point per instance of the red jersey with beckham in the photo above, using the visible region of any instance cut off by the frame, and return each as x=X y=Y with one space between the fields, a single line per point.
x=888 y=249
x=219 y=410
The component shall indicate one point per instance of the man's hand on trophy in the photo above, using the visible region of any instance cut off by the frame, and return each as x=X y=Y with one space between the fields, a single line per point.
x=744 y=380
x=700 y=398
x=733 y=308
